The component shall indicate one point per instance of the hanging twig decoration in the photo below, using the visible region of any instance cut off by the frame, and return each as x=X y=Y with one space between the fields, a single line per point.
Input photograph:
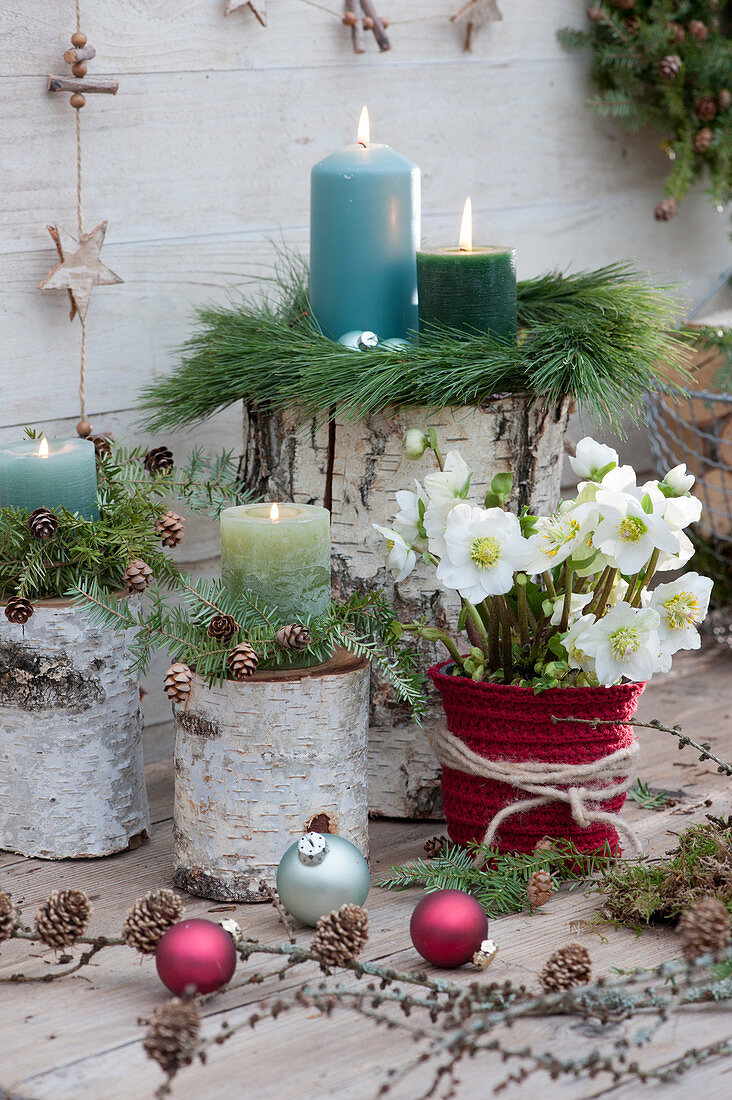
x=79 y=268
x=474 y=15
x=258 y=8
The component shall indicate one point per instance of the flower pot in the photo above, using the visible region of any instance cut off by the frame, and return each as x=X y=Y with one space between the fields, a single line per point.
x=512 y=724
x=71 y=771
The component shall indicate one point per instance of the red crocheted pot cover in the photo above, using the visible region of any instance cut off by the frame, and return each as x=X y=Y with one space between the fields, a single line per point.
x=512 y=723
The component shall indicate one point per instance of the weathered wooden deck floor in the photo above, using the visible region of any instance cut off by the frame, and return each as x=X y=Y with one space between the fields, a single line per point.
x=79 y=1037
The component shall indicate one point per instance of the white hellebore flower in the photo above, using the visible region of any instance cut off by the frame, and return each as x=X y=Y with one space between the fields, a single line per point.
x=483 y=548
x=415 y=443
x=678 y=480
x=576 y=657
x=591 y=457
x=408 y=521
x=681 y=604
x=556 y=538
x=627 y=534
x=402 y=559
x=624 y=643
x=451 y=482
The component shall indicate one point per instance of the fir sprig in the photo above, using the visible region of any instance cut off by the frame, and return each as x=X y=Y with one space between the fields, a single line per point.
x=596 y=336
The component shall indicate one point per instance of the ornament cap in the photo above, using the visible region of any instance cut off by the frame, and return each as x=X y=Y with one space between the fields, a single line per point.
x=312 y=848
x=367 y=340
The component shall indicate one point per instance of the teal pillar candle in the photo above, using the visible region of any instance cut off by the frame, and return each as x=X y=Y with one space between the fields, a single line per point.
x=282 y=556
x=49 y=473
x=471 y=291
x=365 y=211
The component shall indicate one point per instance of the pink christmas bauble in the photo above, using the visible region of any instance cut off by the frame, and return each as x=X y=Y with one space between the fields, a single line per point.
x=196 y=955
x=448 y=927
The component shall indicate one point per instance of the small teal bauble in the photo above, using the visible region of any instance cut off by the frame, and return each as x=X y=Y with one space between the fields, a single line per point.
x=320 y=873
x=359 y=341
x=395 y=343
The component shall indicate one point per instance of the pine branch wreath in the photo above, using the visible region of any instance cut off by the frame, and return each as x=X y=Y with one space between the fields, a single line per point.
x=667 y=64
x=595 y=336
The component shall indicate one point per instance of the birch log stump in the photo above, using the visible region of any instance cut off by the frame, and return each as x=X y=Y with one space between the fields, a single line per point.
x=259 y=763
x=356 y=468
x=71 y=772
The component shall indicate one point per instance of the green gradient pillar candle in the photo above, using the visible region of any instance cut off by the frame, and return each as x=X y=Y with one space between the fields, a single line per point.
x=49 y=473
x=280 y=552
x=466 y=288
x=365 y=210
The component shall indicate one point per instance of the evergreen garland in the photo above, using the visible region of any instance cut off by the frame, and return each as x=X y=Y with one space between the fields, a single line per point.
x=596 y=336
x=667 y=64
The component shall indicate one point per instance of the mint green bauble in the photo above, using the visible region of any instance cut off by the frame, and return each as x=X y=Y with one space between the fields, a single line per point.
x=320 y=873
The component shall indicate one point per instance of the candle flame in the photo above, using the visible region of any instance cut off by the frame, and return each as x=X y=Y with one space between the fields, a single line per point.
x=465 y=243
x=43 y=449
x=274 y=513
x=364 y=128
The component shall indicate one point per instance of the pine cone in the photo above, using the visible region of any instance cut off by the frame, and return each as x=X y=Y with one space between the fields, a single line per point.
x=665 y=210
x=172 y=1033
x=294 y=636
x=632 y=25
x=595 y=15
x=435 y=846
x=242 y=661
x=8 y=917
x=102 y=445
x=149 y=918
x=18 y=610
x=42 y=523
x=63 y=918
x=567 y=967
x=698 y=30
x=170 y=528
x=340 y=936
x=177 y=682
x=702 y=139
x=724 y=99
x=670 y=66
x=539 y=888
x=705 y=929
x=676 y=33
x=705 y=108
x=137 y=575
x=624 y=5
x=158 y=460
x=546 y=844
x=223 y=627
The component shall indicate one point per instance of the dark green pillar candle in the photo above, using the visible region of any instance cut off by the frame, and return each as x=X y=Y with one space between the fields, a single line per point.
x=473 y=291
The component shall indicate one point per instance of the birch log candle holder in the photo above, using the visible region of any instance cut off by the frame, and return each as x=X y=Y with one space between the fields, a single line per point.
x=260 y=762
x=71 y=771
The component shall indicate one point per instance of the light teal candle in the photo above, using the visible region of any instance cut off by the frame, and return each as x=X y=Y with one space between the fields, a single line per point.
x=365 y=211
x=282 y=556
x=49 y=473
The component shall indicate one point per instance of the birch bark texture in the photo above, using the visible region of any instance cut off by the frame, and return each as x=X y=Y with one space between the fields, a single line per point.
x=259 y=763
x=71 y=770
x=356 y=467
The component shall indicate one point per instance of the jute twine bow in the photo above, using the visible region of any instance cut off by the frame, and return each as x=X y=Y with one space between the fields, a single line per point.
x=609 y=776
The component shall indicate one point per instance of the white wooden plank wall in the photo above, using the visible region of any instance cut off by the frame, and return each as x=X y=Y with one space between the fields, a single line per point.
x=202 y=159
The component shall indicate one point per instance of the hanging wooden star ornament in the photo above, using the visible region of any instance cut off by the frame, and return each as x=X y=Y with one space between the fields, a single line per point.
x=259 y=7
x=475 y=14
x=80 y=268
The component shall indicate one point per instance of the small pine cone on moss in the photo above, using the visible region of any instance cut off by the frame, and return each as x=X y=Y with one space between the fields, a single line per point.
x=539 y=888
x=724 y=99
x=566 y=968
x=177 y=682
x=102 y=445
x=676 y=33
x=62 y=919
x=435 y=846
x=18 y=610
x=669 y=67
x=172 y=1033
x=705 y=108
x=702 y=139
x=222 y=627
x=340 y=936
x=137 y=575
x=8 y=917
x=293 y=636
x=665 y=210
x=705 y=929
x=42 y=523
x=698 y=30
x=149 y=918
x=170 y=528
x=158 y=460
x=242 y=661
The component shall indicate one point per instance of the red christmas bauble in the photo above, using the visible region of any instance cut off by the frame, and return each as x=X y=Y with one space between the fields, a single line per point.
x=195 y=955
x=448 y=927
